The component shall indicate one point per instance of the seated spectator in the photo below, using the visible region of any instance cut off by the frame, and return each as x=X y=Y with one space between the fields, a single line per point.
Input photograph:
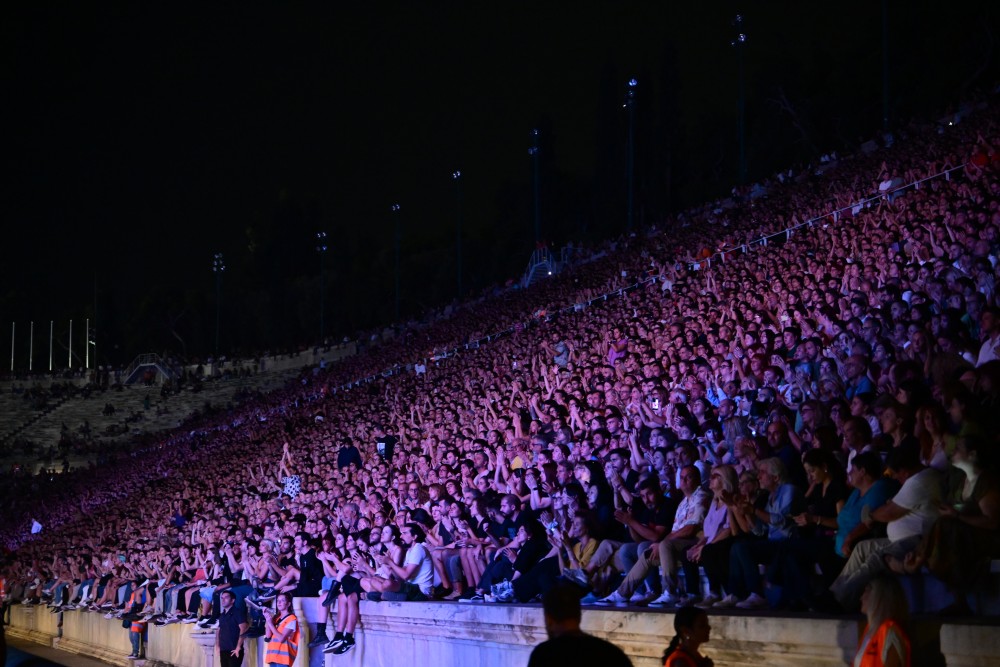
x=775 y=521
x=966 y=536
x=686 y=525
x=908 y=517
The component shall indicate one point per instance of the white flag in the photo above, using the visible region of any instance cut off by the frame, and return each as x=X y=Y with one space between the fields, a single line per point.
x=35 y=527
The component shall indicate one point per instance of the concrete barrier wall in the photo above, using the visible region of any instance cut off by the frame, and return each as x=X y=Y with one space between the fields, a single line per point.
x=492 y=635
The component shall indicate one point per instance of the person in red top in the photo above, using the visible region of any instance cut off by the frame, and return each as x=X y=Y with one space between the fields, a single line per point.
x=692 y=628
x=884 y=642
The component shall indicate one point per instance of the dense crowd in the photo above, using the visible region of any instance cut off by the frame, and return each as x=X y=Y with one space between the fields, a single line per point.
x=822 y=405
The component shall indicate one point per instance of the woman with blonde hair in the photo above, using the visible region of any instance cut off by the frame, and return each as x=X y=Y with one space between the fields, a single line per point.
x=884 y=642
x=712 y=550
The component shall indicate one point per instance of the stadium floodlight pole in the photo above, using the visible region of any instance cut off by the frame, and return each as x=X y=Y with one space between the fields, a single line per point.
x=321 y=248
x=397 y=234
x=630 y=107
x=457 y=177
x=535 y=153
x=92 y=342
x=218 y=268
x=739 y=43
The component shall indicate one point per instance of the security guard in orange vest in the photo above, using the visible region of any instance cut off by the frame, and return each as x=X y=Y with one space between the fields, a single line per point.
x=282 y=632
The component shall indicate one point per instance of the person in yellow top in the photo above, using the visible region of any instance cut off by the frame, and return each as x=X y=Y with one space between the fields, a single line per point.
x=884 y=642
x=575 y=547
x=282 y=632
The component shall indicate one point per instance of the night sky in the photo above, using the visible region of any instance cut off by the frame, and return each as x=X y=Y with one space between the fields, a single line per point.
x=142 y=138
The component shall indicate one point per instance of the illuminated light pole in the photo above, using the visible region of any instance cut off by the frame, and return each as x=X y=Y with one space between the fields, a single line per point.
x=69 y=363
x=630 y=107
x=739 y=43
x=321 y=248
x=91 y=342
x=457 y=177
x=395 y=261
x=218 y=268
x=535 y=153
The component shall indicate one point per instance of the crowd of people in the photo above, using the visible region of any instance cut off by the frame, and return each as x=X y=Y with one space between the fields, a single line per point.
x=822 y=405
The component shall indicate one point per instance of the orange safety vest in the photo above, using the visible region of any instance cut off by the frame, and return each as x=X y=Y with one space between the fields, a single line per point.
x=283 y=652
x=137 y=626
x=680 y=658
x=872 y=650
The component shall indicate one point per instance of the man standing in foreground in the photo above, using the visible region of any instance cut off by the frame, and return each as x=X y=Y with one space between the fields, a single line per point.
x=567 y=644
x=232 y=624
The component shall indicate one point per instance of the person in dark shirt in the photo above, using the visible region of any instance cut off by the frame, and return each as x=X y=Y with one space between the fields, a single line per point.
x=348 y=454
x=567 y=643
x=385 y=444
x=232 y=624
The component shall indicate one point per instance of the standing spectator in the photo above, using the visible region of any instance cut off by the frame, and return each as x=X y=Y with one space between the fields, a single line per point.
x=567 y=643
x=348 y=454
x=232 y=624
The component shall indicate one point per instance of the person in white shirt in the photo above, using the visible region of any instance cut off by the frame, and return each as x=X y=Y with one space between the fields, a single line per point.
x=908 y=516
x=683 y=535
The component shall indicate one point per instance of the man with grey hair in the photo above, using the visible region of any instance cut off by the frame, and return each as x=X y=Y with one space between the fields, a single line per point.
x=773 y=521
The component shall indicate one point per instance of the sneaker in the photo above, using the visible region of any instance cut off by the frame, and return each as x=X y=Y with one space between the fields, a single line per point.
x=641 y=598
x=475 y=597
x=110 y=614
x=189 y=619
x=667 y=599
x=589 y=598
x=344 y=648
x=321 y=638
x=578 y=577
x=727 y=602
x=131 y=657
x=753 y=602
x=708 y=601
x=615 y=599
x=333 y=644
x=211 y=625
